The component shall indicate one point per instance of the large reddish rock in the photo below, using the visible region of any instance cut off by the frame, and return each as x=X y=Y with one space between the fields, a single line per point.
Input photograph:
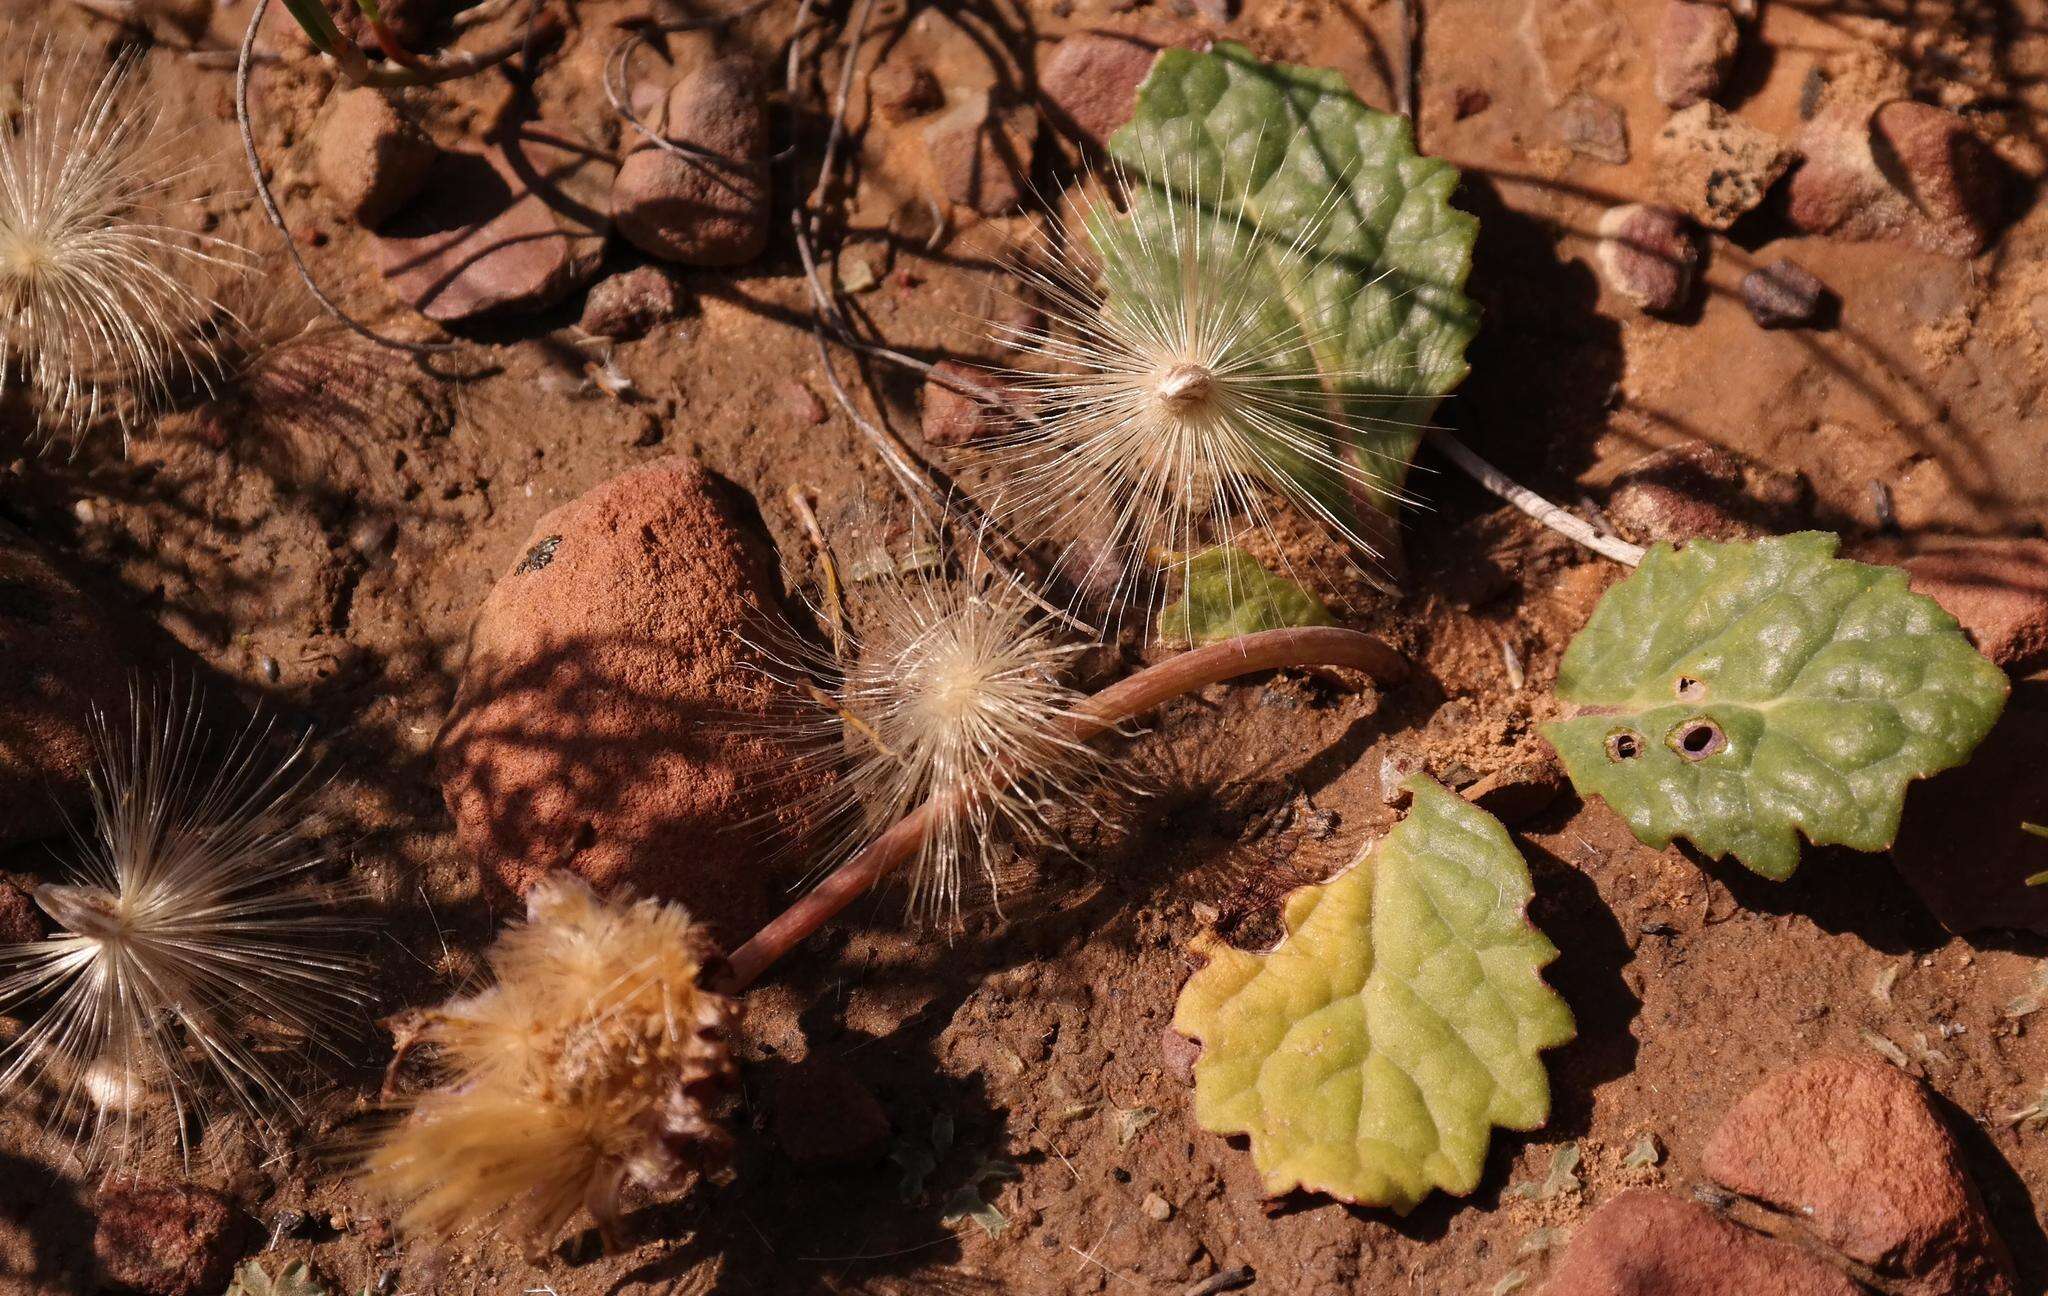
x=610 y=720
x=1648 y=256
x=1903 y=171
x=1089 y=82
x=1647 y=1242
x=1696 y=45
x=707 y=206
x=61 y=655
x=166 y=1239
x=515 y=227
x=1853 y=1150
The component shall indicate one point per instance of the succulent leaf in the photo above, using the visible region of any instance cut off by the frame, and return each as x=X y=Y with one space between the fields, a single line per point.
x=1354 y=229
x=1370 y=1054
x=1227 y=593
x=1739 y=695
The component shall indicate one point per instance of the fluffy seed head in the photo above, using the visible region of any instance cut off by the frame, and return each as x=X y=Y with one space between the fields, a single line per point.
x=952 y=694
x=584 y=1068
x=97 y=317
x=1186 y=387
x=188 y=923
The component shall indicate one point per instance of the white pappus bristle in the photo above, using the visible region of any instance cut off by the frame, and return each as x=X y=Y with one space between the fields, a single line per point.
x=97 y=317
x=188 y=925
x=1186 y=387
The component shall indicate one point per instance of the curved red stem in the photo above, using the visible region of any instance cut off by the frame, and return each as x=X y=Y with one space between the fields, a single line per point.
x=1184 y=673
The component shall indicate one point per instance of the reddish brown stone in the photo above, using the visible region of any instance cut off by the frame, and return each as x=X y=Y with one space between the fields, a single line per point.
x=519 y=226
x=1090 y=80
x=1852 y=1149
x=823 y=1115
x=903 y=89
x=1647 y=1242
x=1997 y=589
x=1696 y=44
x=981 y=153
x=368 y=157
x=61 y=655
x=627 y=305
x=609 y=720
x=1715 y=167
x=1784 y=294
x=1648 y=256
x=954 y=418
x=1904 y=171
x=20 y=920
x=709 y=208
x=1592 y=127
x=166 y=1239
x=1697 y=491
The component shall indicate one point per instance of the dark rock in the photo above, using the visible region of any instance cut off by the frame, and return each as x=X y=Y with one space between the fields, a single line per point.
x=1089 y=82
x=166 y=1239
x=1696 y=44
x=1960 y=844
x=1647 y=1242
x=1906 y=172
x=1648 y=256
x=627 y=305
x=954 y=418
x=709 y=208
x=823 y=1115
x=62 y=654
x=517 y=227
x=1715 y=167
x=981 y=153
x=1592 y=127
x=904 y=88
x=1853 y=1150
x=369 y=158
x=1696 y=491
x=611 y=720
x=1784 y=294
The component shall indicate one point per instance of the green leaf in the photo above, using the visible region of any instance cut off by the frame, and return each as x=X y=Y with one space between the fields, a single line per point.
x=296 y=1279
x=967 y=1201
x=1227 y=593
x=1372 y=1052
x=1738 y=695
x=1353 y=230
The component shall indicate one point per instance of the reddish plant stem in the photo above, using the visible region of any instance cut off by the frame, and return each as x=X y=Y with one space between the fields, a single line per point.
x=1128 y=698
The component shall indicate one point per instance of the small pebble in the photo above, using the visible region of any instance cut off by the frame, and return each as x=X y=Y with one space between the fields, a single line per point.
x=1648 y=256
x=1784 y=294
x=1156 y=1207
x=1696 y=45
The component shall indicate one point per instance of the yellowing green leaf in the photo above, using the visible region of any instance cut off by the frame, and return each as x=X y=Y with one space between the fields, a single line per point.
x=1371 y=1053
x=1739 y=695
x=1227 y=593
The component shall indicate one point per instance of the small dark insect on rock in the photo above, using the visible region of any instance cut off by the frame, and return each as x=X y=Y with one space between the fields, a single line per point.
x=539 y=556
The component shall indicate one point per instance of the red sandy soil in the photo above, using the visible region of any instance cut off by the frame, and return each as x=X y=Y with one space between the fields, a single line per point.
x=331 y=564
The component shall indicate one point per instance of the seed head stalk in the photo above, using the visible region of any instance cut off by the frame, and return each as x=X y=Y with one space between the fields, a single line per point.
x=1124 y=700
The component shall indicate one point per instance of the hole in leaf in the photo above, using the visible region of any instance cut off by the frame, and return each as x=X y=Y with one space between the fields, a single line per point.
x=1624 y=744
x=1698 y=738
x=1690 y=689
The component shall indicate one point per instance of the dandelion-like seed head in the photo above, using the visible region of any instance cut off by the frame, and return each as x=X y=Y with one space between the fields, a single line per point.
x=97 y=317
x=1198 y=375
x=585 y=1068
x=954 y=695
x=188 y=927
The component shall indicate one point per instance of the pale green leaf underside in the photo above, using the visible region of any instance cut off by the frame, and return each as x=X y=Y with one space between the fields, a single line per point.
x=1227 y=593
x=1370 y=1054
x=1354 y=229
x=295 y=1279
x=1831 y=682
